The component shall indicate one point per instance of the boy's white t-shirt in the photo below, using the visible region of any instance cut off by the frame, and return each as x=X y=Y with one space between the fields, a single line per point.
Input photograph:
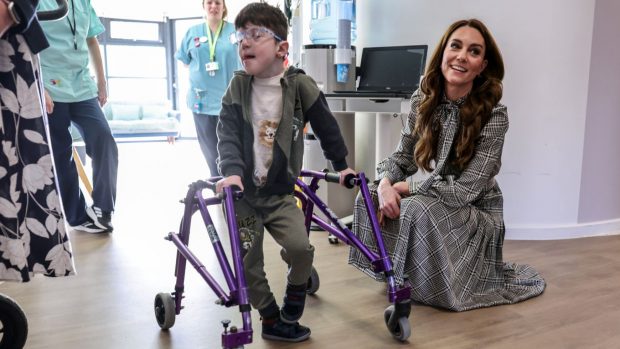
x=266 y=115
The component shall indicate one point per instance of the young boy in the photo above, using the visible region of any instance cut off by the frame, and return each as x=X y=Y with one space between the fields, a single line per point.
x=260 y=145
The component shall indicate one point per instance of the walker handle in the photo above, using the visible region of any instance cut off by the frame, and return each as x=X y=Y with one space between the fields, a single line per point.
x=56 y=14
x=333 y=177
x=351 y=180
x=211 y=183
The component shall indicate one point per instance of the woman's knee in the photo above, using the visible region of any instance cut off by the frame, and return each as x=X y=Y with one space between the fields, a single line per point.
x=417 y=203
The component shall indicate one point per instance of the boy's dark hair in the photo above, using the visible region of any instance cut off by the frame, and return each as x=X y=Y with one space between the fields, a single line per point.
x=263 y=14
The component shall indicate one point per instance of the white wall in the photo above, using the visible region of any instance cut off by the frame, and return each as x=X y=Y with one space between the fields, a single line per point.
x=600 y=197
x=547 y=50
x=560 y=164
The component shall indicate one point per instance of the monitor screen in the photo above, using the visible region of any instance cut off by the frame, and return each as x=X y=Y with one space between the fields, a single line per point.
x=394 y=68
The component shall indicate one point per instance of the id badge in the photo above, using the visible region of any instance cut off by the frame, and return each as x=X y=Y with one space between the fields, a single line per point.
x=212 y=66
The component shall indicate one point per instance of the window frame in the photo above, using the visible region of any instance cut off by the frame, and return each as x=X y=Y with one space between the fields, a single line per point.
x=165 y=40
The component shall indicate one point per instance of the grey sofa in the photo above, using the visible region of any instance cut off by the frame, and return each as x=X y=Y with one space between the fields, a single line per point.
x=135 y=119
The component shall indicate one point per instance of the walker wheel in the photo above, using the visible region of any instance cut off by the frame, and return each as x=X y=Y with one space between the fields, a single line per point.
x=13 y=324
x=313 y=282
x=165 y=310
x=399 y=328
x=332 y=239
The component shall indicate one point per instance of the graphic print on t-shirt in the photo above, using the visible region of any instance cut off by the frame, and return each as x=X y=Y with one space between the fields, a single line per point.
x=265 y=130
x=266 y=104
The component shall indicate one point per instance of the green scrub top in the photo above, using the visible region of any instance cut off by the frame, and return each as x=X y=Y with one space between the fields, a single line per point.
x=65 y=67
x=206 y=91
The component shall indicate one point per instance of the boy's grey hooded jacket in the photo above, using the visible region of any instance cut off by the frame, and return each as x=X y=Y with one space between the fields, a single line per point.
x=302 y=102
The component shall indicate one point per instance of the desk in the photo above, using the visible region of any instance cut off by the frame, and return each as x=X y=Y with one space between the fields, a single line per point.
x=377 y=127
x=367 y=105
x=371 y=130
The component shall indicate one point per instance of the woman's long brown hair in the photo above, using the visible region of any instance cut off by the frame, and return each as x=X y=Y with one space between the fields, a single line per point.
x=474 y=113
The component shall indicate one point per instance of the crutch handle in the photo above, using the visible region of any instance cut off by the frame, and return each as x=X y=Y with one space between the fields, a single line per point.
x=56 y=14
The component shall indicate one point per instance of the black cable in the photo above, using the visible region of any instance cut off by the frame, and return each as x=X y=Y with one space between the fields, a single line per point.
x=74 y=26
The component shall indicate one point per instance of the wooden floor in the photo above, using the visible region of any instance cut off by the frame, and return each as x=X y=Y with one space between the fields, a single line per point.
x=109 y=304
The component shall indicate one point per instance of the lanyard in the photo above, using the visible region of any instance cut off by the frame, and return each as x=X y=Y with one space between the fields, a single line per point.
x=74 y=26
x=213 y=41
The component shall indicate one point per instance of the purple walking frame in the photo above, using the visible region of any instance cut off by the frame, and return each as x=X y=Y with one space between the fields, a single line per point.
x=396 y=315
x=168 y=305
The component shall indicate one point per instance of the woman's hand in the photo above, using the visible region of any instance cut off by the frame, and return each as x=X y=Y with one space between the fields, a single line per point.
x=389 y=199
x=6 y=21
x=402 y=188
x=49 y=103
x=102 y=93
x=227 y=182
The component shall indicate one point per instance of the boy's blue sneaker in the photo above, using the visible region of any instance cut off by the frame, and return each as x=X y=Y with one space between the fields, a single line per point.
x=279 y=330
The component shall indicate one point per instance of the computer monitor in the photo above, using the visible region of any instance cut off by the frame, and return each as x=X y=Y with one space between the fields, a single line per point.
x=392 y=68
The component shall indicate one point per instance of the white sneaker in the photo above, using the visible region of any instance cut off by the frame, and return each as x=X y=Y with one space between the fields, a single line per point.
x=100 y=218
x=89 y=227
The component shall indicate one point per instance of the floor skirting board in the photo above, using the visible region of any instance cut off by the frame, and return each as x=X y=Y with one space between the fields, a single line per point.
x=556 y=232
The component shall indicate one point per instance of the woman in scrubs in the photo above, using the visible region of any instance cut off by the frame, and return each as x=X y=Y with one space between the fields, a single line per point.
x=211 y=58
x=74 y=97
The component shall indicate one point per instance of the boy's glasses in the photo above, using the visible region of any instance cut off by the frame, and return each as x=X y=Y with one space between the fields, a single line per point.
x=254 y=34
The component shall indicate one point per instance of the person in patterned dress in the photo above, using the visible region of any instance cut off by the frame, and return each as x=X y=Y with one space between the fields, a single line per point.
x=33 y=238
x=445 y=233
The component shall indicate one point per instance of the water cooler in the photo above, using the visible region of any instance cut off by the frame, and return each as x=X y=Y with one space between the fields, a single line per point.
x=331 y=62
x=318 y=62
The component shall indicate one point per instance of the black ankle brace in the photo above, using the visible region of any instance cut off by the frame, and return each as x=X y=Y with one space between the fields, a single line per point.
x=270 y=312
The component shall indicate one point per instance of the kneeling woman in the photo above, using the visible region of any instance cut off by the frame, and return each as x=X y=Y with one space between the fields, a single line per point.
x=445 y=234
